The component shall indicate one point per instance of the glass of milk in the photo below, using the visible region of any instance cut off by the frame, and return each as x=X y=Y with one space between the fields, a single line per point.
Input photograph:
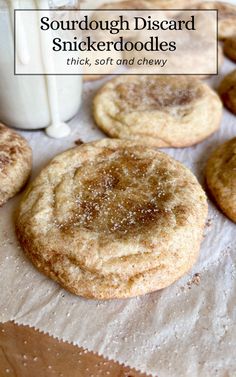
x=34 y=102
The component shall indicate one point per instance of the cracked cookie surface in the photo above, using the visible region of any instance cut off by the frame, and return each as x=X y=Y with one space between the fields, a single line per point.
x=227 y=91
x=221 y=177
x=161 y=111
x=112 y=219
x=15 y=163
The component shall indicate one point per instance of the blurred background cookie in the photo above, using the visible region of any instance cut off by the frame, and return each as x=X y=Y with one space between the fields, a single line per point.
x=227 y=91
x=230 y=48
x=221 y=177
x=15 y=163
x=227 y=17
x=173 y=6
x=161 y=111
x=108 y=14
x=191 y=59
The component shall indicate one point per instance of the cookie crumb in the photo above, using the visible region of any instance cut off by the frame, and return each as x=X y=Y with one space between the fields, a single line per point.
x=79 y=142
x=208 y=223
x=196 y=279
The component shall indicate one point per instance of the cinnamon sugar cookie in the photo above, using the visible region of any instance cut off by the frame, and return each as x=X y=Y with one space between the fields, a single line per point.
x=112 y=219
x=161 y=111
x=127 y=4
x=227 y=17
x=230 y=48
x=174 y=5
x=170 y=9
x=221 y=177
x=227 y=91
x=15 y=163
x=188 y=59
x=131 y=5
x=90 y=77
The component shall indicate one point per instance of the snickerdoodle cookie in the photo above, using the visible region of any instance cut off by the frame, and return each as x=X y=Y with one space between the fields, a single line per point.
x=221 y=177
x=227 y=17
x=112 y=219
x=159 y=111
x=138 y=8
x=106 y=12
x=230 y=48
x=227 y=91
x=189 y=60
x=170 y=9
x=175 y=5
x=126 y=4
x=15 y=163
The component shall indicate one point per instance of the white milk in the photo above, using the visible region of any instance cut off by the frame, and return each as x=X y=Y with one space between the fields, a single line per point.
x=32 y=102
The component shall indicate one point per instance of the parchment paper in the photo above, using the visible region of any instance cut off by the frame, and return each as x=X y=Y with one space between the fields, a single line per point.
x=188 y=329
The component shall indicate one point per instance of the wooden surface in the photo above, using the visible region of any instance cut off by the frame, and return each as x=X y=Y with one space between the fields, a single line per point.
x=25 y=352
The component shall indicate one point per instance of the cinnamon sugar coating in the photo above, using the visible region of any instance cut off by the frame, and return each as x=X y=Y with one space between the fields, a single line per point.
x=161 y=111
x=227 y=91
x=15 y=163
x=112 y=219
x=221 y=177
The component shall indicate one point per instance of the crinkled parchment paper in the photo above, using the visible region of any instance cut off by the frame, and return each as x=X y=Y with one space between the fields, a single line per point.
x=186 y=330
